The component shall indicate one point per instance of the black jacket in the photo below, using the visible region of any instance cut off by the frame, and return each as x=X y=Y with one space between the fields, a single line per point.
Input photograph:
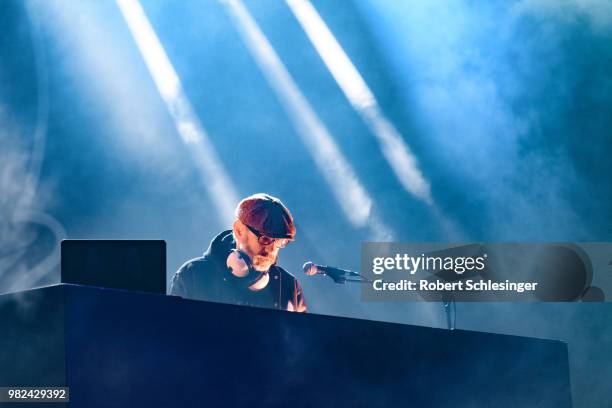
x=208 y=278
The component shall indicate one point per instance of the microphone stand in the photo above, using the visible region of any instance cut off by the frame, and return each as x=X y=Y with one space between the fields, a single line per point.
x=450 y=309
x=340 y=276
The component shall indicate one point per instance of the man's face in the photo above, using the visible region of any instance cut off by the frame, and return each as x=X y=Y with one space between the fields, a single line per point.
x=263 y=256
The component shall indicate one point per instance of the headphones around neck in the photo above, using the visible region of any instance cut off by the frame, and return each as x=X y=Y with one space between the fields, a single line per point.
x=241 y=266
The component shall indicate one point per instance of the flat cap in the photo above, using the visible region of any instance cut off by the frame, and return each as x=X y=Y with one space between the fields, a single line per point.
x=266 y=214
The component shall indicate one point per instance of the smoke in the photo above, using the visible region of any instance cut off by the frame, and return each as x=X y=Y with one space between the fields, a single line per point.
x=89 y=43
x=514 y=103
x=29 y=238
x=13 y=169
x=597 y=12
x=507 y=96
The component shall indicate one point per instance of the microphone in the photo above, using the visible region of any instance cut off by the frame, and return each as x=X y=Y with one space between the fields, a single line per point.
x=337 y=274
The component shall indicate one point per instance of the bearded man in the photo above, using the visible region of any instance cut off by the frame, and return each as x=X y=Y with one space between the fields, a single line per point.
x=239 y=265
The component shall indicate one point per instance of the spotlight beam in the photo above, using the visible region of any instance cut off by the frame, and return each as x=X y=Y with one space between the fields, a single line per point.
x=351 y=196
x=396 y=151
x=214 y=177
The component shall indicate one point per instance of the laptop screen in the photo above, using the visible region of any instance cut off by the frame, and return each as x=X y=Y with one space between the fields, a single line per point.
x=119 y=264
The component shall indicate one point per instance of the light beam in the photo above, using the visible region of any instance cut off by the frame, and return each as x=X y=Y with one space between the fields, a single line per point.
x=398 y=154
x=352 y=197
x=216 y=181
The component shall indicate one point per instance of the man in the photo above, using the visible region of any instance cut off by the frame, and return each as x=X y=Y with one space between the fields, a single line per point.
x=240 y=267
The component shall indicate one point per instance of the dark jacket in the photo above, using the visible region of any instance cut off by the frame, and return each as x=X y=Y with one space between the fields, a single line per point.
x=208 y=278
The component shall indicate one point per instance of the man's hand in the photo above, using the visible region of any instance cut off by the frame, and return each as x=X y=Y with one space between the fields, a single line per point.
x=301 y=308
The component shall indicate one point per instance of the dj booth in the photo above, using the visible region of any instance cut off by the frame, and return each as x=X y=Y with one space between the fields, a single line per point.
x=126 y=348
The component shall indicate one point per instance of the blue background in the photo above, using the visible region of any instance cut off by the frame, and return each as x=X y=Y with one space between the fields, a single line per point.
x=506 y=105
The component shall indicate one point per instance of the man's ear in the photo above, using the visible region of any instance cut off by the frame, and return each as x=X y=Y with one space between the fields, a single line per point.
x=237 y=229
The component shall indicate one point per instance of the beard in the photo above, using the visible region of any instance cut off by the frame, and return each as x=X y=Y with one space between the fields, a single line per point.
x=263 y=263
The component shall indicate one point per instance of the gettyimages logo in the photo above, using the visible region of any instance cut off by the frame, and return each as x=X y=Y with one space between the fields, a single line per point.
x=556 y=272
x=412 y=264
